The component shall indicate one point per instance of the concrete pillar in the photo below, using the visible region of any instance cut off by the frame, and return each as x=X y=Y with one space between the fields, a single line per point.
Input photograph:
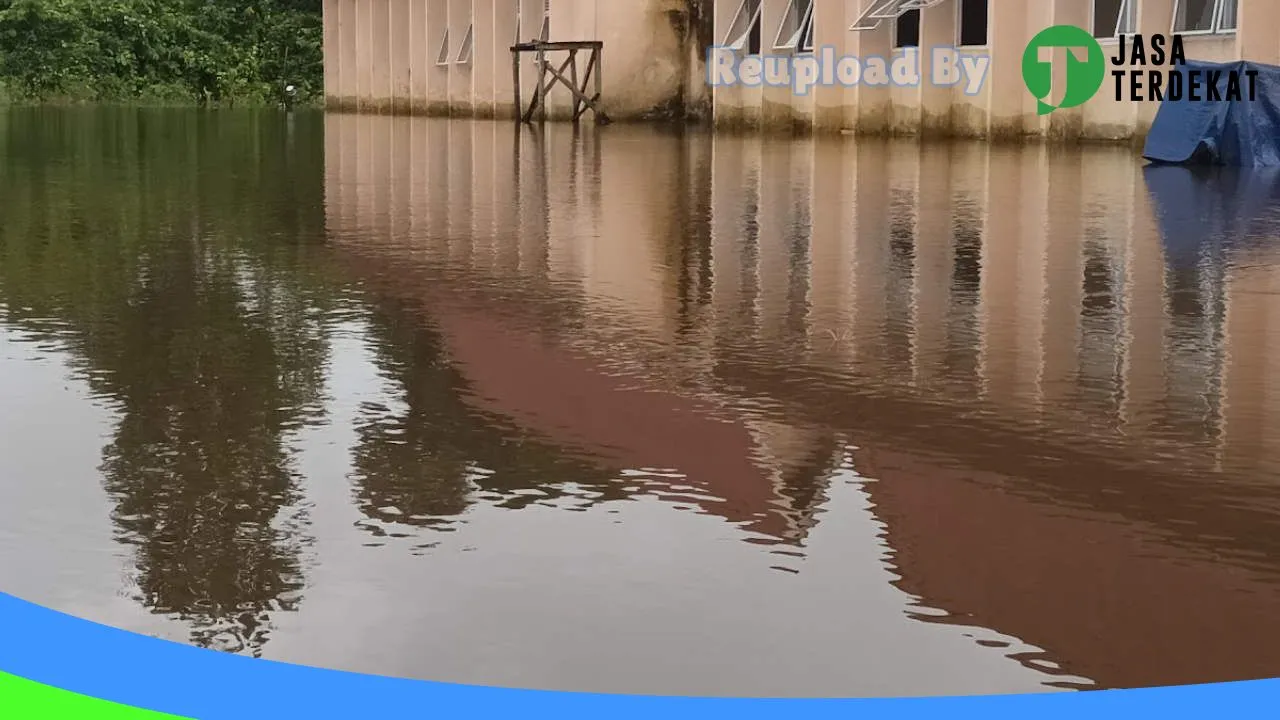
x=332 y=60
x=776 y=109
x=1258 y=39
x=1067 y=123
x=906 y=114
x=831 y=23
x=438 y=56
x=461 y=23
x=733 y=106
x=870 y=106
x=937 y=29
x=401 y=55
x=504 y=36
x=420 y=55
x=531 y=16
x=380 y=84
x=364 y=54
x=1154 y=17
x=486 y=61
x=1007 y=37
x=350 y=68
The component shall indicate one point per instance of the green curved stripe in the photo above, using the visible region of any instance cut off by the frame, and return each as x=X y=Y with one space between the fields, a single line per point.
x=26 y=700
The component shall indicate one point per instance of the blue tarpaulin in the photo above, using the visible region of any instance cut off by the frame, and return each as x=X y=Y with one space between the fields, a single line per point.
x=1204 y=211
x=1206 y=131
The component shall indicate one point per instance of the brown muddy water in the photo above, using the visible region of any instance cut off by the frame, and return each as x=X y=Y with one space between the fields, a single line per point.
x=624 y=410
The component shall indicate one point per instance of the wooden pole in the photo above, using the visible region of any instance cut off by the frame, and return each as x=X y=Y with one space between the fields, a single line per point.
x=542 y=85
x=598 y=51
x=573 y=73
x=515 y=82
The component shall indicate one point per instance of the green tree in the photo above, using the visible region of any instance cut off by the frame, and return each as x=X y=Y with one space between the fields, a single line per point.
x=184 y=50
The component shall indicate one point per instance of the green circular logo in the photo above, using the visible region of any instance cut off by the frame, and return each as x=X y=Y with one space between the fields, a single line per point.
x=1086 y=66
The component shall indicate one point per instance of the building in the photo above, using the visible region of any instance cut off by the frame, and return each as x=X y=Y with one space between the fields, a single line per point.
x=453 y=57
x=1213 y=30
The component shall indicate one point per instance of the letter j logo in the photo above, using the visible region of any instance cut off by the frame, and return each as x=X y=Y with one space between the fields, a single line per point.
x=1085 y=71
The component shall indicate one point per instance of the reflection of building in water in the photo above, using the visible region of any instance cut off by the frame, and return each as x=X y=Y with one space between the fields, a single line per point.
x=1015 y=339
x=533 y=288
x=1116 y=602
x=1031 y=286
x=1251 y=387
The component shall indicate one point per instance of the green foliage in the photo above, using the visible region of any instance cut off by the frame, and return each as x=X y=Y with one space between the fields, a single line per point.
x=205 y=51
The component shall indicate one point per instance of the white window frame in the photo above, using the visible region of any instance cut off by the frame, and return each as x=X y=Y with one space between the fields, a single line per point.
x=739 y=43
x=1129 y=7
x=467 y=48
x=1222 y=9
x=1215 y=24
x=442 y=55
x=960 y=26
x=800 y=38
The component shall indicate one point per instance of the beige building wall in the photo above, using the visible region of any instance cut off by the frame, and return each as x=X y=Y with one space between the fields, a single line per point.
x=1002 y=106
x=452 y=57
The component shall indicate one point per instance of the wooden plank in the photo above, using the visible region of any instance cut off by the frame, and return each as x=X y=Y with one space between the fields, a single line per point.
x=535 y=46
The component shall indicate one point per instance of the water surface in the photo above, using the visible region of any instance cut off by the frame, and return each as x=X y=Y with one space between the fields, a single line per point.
x=631 y=411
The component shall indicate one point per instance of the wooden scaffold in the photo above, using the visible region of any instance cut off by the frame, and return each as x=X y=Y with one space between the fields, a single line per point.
x=549 y=76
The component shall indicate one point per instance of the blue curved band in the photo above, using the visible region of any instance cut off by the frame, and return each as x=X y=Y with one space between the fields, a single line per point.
x=82 y=657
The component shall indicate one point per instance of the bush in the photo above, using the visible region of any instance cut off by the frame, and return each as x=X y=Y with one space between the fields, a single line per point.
x=198 y=50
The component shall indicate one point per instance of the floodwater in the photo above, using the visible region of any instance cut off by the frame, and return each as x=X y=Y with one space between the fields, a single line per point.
x=630 y=411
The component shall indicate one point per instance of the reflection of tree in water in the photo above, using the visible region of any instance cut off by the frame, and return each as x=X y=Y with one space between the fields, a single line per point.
x=209 y=347
x=198 y=467
x=424 y=463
